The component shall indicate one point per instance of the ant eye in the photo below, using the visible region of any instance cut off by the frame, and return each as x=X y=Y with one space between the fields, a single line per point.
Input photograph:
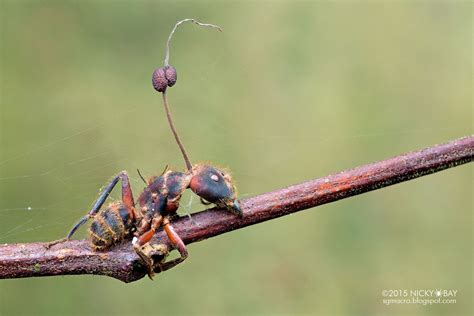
x=214 y=177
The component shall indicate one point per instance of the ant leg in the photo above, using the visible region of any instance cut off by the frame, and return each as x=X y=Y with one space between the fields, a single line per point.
x=148 y=252
x=177 y=243
x=175 y=240
x=146 y=237
x=127 y=199
x=144 y=250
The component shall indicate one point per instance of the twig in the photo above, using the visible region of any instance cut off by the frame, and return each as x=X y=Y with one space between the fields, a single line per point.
x=76 y=257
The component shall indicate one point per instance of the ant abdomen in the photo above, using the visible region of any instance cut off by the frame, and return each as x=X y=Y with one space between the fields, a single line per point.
x=110 y=226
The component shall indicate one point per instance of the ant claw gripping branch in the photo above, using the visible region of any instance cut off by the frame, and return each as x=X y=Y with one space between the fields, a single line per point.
x=158 y=203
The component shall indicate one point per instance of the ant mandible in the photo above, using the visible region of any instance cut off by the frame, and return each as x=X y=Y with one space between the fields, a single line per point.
x=159 y=201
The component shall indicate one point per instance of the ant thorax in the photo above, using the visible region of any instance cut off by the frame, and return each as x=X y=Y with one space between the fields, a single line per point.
x=162 y=194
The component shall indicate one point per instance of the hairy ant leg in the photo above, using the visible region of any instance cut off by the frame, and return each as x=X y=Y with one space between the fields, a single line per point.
x=127 y=199
x=154 y=255
x=150 y=254
x=175 y=240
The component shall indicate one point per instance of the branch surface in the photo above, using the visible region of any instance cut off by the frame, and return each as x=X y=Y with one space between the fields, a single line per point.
x=121 y=262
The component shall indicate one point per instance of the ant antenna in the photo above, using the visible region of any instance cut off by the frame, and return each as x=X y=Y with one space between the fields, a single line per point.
x=140 y=174
x=166 y=77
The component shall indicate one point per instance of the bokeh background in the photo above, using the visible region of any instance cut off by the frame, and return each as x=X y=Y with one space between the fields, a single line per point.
x=288 y=92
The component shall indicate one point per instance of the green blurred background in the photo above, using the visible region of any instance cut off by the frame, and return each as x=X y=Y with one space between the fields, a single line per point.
x=288 y=92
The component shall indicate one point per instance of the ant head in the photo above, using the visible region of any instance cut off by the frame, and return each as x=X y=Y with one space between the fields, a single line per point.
x=215 y=186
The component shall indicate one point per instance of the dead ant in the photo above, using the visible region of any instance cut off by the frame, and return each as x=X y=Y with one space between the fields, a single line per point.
x=159 y=201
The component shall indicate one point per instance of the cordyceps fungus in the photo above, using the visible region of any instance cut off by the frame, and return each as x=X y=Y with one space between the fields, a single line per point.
x=166 y=76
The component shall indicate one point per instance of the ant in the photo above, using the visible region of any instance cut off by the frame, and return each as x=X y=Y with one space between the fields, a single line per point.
x=158 y=203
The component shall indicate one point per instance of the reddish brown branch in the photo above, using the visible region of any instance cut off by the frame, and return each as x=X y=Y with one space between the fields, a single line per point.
x=76 y=257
